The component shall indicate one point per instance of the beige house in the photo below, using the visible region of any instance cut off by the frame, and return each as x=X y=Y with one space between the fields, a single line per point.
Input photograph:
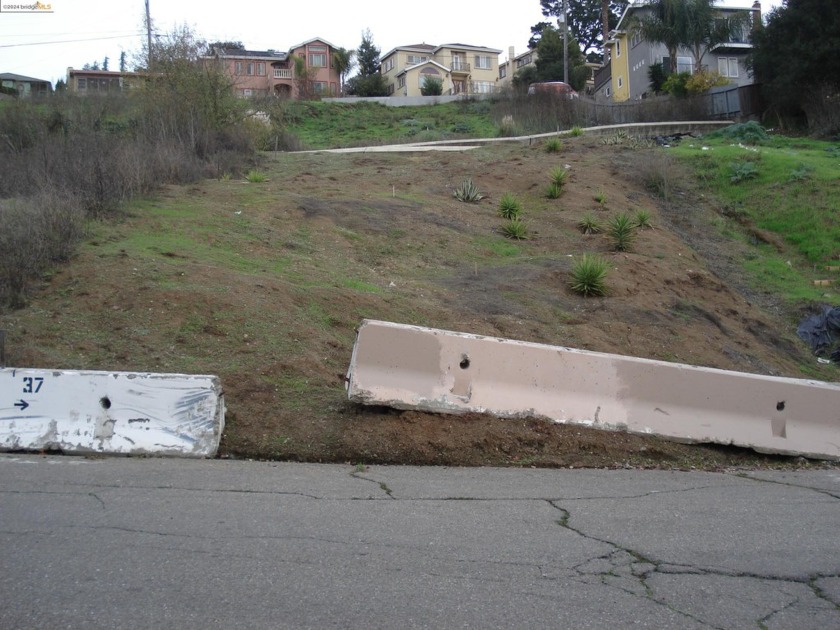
x=513 y=64
x=462 y=68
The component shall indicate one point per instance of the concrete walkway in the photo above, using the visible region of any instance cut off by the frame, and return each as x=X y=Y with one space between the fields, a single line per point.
x=154 y=543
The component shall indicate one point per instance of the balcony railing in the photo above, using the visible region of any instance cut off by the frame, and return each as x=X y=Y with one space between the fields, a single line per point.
x=460 y=66
x=282 y=73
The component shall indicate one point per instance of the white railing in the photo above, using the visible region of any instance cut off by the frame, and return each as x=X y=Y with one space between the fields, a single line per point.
x=281 y=73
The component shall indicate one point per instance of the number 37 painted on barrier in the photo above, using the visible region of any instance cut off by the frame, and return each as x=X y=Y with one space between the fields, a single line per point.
x=32 y=384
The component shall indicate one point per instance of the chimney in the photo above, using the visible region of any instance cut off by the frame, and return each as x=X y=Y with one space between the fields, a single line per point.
x=756 y=15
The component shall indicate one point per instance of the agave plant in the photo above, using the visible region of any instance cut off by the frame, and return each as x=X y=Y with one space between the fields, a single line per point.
x=509 y=206
x=468 y=192
x=589 y=276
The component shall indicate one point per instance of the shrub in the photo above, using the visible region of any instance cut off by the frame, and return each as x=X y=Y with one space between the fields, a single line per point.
x=554 y=145
x=600 y=197
x=468 y=192
x=703 y=81
x=35 y=233
x=515 y=229
x=558 y=176
x=255 y=177
x=509 y=206
x=432 y=86
x=642 y=219
x=622 y=232
x=589 y=224
x=659 y=173
x=576 y=131
x=553 y=191
x=742 y=171
x=747 y=133
x=589 y=275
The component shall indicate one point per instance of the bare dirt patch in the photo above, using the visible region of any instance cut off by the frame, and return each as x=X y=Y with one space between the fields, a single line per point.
x=264 y=284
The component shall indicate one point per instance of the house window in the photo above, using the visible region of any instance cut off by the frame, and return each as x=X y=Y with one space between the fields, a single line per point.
x=320 y=87
x=483 y=62
x=238 y=69
x=684 y=64
x=503 y=71
x=618 y=48
x=635 y=39
x=401 y=81
x=261 y=69
x=728 y=67
x=318 y=56
x=482 y=87
x=247 y=93
x=523 y=61
x=607 y=92
x=415 y=59
x=388 y=65
x=81 y=83
x=620 y=82
x=458 y=63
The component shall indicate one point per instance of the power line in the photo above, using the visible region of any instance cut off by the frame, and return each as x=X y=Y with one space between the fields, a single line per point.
x=73 y=41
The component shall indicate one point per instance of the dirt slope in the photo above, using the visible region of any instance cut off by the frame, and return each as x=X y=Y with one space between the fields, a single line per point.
x=263 y=284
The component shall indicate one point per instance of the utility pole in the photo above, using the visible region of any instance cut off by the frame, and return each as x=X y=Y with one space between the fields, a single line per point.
x=148 y=38
x=565 y=44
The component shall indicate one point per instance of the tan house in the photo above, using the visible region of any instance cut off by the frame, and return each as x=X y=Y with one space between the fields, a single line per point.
x=513 y=64
x=263 y=73
x=100 y=81
x=24 y=87
x=462 y=68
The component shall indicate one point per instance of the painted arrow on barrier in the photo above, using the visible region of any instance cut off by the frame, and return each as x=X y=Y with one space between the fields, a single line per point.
x=22 y=404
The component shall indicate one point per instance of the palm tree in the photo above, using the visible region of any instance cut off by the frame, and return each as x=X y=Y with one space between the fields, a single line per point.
x=343 y=61
x=664 y=23
x=693 y=24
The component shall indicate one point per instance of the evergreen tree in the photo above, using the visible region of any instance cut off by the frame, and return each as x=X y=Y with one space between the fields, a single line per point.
x=105 y=63
x=585 y=22
x=369 y=81
x=123 y=63
x=795 y=58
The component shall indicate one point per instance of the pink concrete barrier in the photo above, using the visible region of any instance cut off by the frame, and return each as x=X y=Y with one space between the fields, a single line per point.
x=411 y=367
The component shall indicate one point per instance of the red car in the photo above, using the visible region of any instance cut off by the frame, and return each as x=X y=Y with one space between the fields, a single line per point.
x=553 y=87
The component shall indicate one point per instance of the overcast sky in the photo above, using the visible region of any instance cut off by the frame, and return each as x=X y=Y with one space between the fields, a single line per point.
x=43 y=45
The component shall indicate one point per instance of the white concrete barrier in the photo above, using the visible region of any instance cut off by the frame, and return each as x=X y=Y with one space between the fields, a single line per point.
x=110 y=412
x=410 y=367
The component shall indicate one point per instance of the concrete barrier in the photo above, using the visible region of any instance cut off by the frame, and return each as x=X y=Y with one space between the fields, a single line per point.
x=410 y=367
x=110 y=412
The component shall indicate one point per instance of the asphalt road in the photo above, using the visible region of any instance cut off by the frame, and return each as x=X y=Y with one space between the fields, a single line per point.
x=154 y=543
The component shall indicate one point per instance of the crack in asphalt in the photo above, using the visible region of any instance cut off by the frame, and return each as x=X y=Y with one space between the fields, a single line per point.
x=617 y=560
x=790 y=485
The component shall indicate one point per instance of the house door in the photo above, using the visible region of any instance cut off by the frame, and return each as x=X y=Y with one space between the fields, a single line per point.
x=459 y=86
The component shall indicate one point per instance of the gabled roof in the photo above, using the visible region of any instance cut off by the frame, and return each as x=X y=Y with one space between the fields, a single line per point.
x=11 y=76
x=314 y=39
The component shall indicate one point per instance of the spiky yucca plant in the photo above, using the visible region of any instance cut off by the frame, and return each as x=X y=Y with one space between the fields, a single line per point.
x=589 y=275
x=468 y=192
x=642 y=219
x=515 y=229
x=509 y=206
x=589 y=224
x=622 y=231
x=554 y=145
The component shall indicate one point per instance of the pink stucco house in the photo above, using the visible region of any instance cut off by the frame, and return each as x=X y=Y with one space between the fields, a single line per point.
x=269 y=72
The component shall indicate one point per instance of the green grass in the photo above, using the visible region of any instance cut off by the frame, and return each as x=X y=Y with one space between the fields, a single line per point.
x=320 y=125
x=788 y=186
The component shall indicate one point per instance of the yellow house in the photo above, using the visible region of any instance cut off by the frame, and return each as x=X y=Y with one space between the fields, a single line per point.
x=617 y=47
x=462 y=68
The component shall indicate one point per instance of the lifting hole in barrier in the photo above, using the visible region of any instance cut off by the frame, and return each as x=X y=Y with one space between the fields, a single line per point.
x=780 y=406
x=465 y=362
x=105 y=402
